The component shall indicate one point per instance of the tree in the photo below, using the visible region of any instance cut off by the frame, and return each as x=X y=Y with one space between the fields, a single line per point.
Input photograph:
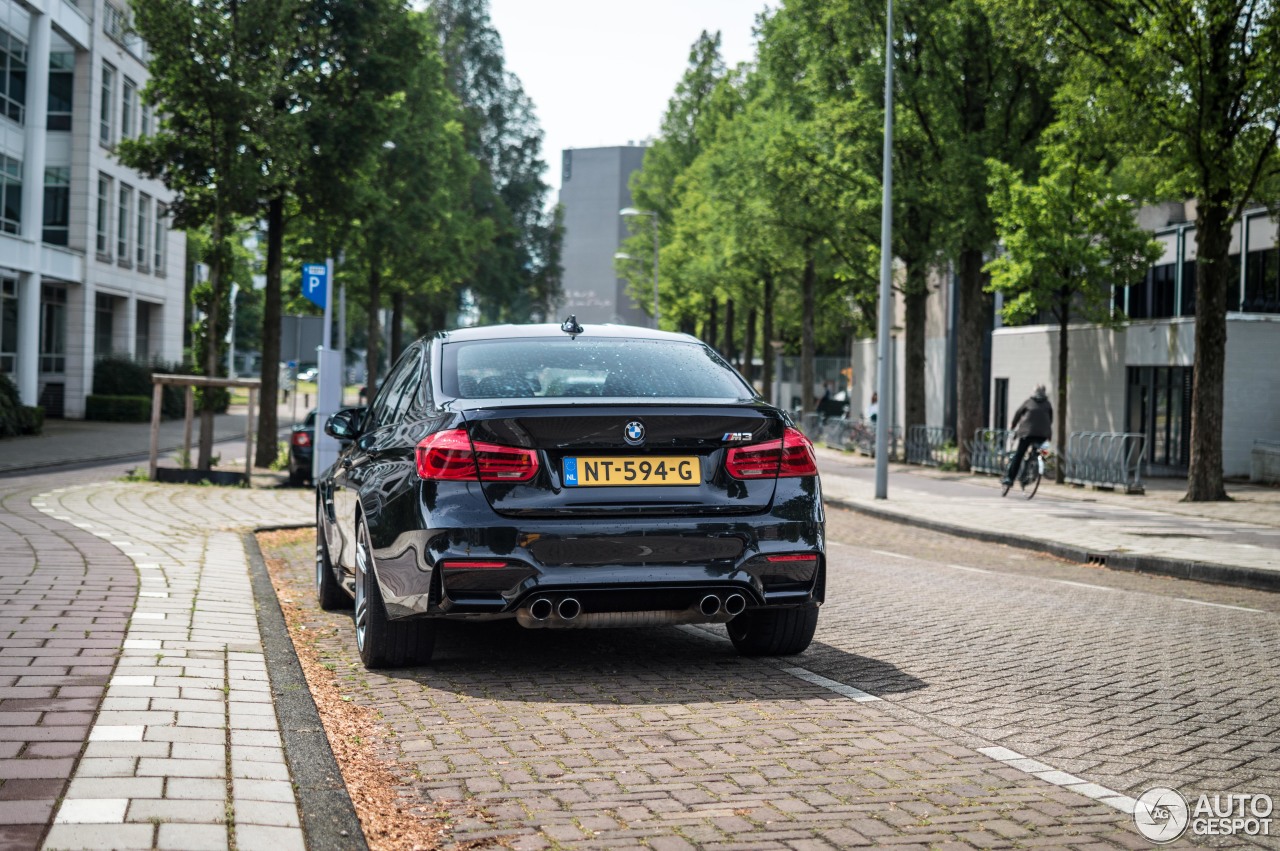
x=1068 y=241
x=213 y=71
x=517 y=273
x=1194 y=84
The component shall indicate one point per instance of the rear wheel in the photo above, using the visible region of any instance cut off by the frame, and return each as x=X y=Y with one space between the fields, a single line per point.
x=328 y=593
x=382 y=642
x=1033 y=482
x=773 y=632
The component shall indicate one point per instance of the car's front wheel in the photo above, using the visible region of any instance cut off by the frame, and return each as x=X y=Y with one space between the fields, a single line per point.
x=773 y=632
x=382 y=642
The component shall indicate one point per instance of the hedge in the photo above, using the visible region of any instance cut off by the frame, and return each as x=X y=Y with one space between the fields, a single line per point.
x=120 y=375
x=120 y=409
x=15 y=417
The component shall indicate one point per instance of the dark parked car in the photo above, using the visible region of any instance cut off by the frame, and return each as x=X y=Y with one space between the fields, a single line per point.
x=569 y=476
x=302 y=438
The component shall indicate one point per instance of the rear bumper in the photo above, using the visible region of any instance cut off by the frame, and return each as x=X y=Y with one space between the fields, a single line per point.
x=496 y=573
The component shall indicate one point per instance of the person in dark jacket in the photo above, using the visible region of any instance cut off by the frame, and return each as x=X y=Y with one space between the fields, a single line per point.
x=1033 y=424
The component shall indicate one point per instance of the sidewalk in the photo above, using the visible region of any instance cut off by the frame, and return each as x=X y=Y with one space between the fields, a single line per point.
x=1232 y=543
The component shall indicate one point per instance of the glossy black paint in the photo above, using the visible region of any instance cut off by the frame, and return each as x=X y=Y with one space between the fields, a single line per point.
x=612 y=548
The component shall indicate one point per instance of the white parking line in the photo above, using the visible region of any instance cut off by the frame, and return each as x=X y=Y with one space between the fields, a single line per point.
x=1082 y=584
x=1219 y=605
x=970 y=569
x=831 y=685
x=1110 y=797
x=892 y=555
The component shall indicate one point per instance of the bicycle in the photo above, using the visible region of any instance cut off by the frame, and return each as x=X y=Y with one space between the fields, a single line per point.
x=1032 y=471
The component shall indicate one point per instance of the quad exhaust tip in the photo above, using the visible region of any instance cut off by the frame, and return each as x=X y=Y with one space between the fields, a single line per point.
x=569 y=609
x=734 y=604
x=540 y=609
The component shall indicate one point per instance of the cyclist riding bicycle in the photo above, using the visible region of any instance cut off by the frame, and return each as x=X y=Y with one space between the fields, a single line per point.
x=1033 y=425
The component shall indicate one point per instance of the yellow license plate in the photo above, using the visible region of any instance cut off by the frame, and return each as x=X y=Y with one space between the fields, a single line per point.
x=649 y=470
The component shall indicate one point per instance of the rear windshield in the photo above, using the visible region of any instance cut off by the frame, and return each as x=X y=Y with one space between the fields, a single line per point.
x=613 y=368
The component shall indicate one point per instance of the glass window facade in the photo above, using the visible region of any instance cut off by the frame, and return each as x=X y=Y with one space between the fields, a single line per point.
x=124 y=223
x=13 y=76
x=61 y=86
x=1262 y=281
x=8 y=325
x=53 y=329
x=128 y=106
x=103 y=238
x=57 y=204
x=10 y=194
x=107 y=105
x=157 y=243
x=1159 y=406
x=104 y=324
x=142 y=254
x=142 y=333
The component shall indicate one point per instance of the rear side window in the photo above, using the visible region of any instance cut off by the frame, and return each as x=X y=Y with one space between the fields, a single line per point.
x=565 y=368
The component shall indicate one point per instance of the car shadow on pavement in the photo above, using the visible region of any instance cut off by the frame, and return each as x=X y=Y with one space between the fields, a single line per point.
x=652 y=665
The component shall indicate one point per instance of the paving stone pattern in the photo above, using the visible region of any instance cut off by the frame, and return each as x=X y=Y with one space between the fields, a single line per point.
x=1125 y=684
x=65 y=600
x=666 y=739
x=185 y=750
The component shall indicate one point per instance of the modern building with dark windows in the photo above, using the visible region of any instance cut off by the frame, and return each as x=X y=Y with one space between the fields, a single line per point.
x=88 y=263
x=593 y=191
x=1137 y=377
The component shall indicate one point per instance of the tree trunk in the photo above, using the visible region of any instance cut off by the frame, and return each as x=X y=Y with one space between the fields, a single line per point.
x=375 y=330
x=749 y=347
x=397 y=325
x=915 y=297
x=1064 y=347
x=712 y=320
x=766 y=340
x=807 y=346
x=1213 y=276
x=971 y=325
x=216 y=270
x=268 y=399
x=729 y=353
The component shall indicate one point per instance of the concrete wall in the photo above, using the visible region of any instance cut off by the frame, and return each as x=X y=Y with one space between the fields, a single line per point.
x=1251 y=403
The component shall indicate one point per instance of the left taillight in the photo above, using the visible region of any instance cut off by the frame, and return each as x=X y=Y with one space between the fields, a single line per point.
x=452 y=456
x=301 y=439
x=790 y=457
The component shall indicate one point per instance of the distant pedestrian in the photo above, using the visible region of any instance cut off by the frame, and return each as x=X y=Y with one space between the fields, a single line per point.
x=873 y=410
x=1033 y=424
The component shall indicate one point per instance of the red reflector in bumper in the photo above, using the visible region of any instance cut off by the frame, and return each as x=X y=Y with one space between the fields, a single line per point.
x=798 y=557
x=472 y=565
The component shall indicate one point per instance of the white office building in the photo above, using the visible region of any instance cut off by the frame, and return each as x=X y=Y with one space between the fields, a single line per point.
x=88 y=263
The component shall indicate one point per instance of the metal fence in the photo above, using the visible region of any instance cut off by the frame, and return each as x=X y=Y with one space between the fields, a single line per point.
x=931 y=445
x=989 y=452
x=842 y=433
x=1106 y=459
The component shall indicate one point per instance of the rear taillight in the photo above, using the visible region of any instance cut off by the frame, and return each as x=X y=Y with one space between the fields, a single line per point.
x=301 y=439
x=451 y=456
x=465 y=564
x=792 y=557
x=792 y=456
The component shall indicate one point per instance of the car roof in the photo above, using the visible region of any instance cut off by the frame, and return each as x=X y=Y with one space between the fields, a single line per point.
x=553 y=331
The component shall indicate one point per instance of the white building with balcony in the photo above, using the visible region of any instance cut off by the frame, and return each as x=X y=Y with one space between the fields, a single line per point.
x=88 y=263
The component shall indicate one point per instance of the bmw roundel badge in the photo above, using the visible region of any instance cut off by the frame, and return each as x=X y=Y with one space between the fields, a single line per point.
x=633 y=433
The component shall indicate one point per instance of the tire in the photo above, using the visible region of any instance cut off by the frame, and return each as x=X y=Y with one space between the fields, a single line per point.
x=382 y=642
x=329 y=593
x=773 y=632
x=1033 y=484
x=1004 y=488
x=296 y=478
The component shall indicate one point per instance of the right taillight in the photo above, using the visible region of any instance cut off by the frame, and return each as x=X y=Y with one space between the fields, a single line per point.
x=792 y=456
x=451 y=456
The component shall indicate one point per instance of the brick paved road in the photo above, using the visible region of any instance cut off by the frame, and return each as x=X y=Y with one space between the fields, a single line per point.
x=664 y=737
x=65 y=600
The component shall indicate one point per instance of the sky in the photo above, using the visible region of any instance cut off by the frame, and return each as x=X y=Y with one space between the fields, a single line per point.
x=600 y=72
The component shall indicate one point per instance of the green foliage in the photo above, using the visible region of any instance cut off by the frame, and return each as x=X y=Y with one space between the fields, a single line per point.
x=15 y=417
x=123 y=409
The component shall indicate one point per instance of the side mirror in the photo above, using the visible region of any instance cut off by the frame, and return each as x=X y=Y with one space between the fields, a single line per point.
x=346 y=424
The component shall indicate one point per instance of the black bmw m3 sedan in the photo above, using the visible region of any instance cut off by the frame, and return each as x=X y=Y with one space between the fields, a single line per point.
x=569 y=476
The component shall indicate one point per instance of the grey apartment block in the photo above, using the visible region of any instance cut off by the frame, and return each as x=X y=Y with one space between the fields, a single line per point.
x=88 y=262
x=593 y=190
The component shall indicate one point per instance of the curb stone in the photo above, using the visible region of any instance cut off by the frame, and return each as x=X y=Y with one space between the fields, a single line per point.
x=329 y=818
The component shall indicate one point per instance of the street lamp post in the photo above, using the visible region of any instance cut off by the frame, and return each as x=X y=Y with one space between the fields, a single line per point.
x=633 y=211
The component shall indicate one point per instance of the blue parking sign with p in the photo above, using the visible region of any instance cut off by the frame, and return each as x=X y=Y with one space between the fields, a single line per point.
x=315 y=281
